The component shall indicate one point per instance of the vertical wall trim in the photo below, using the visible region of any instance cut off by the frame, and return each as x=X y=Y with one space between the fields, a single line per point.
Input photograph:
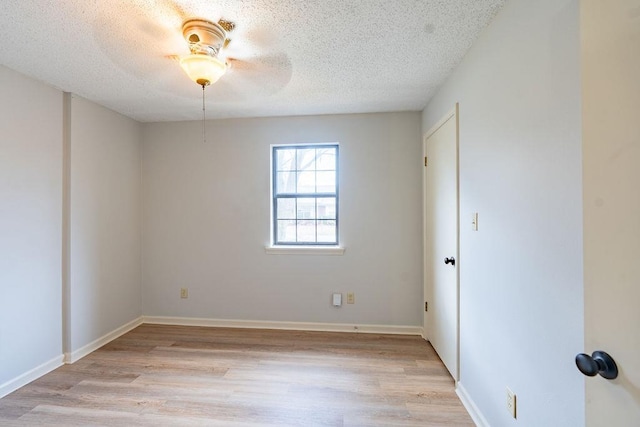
x=141 y=215
x=66 y=218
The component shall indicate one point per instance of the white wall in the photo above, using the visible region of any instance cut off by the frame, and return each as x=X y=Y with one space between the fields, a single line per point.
x=30 y=225
x=104 y=263
x=520 y=169
x=206 y=222
x=105 y=240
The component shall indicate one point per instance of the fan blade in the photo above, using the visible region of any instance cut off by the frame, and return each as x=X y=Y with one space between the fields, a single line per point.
x=259 y=76
x=139 y=37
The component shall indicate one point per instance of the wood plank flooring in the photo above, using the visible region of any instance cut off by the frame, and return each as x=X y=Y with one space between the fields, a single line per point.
x=191 y=376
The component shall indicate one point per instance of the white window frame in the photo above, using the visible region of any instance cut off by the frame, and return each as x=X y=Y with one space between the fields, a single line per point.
x=301 y=248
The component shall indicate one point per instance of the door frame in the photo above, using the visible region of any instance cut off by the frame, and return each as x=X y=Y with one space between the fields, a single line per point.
x=453 y=113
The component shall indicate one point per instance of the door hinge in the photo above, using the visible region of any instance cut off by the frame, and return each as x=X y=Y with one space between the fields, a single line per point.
x=426 y=306
x=426 y=160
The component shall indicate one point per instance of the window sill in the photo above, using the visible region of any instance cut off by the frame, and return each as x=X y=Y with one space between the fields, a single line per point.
x=304 y=250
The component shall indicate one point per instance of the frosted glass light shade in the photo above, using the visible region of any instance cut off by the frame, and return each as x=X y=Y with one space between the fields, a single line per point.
x=203 y=69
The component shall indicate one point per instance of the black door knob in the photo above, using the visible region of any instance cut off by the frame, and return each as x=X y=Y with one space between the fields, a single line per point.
x=598 y=363
x=451 y=261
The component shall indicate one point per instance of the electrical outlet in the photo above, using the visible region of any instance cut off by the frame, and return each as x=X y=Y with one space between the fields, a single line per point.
x=184 y=293
x=511 y=402
x=351 y=298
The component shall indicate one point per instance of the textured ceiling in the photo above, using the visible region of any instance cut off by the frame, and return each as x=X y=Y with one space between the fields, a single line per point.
x=289 y=57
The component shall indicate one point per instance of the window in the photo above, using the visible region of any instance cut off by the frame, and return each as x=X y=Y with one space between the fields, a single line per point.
x=305 y=194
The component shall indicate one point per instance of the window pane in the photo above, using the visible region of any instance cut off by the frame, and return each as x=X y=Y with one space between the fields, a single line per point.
x=326 y=208
x=327 y=231
x=326 y=182
x=285 y=159
x=306 y=208
x=286 y=231
x=306 y=230
x=306 y=159
x=326 y=159
x=286 y=182
x=306 y=182
x=286 y=208
x=300 y=174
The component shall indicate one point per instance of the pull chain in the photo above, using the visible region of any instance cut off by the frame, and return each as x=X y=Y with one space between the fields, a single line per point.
x=204 y=135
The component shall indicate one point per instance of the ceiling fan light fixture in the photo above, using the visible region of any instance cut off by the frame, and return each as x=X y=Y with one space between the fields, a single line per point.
x=203 y=69
x=205 y=39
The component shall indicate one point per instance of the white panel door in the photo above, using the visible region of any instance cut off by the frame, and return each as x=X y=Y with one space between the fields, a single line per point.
x=610 y=32
x=441 y=240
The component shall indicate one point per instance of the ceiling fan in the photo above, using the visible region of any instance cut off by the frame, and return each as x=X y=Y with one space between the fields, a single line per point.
x=250 y=65
x=145 y=34
x=206 y=39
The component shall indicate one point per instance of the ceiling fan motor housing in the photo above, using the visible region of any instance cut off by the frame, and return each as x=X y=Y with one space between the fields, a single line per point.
x=204 y=37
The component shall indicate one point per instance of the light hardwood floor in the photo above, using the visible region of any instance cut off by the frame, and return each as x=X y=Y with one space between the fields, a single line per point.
x=174 y=376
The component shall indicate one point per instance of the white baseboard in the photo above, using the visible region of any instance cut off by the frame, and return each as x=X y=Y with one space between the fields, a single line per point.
x=471 y=407
x=24 y=379
x=105 y=339
x=296 y=326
